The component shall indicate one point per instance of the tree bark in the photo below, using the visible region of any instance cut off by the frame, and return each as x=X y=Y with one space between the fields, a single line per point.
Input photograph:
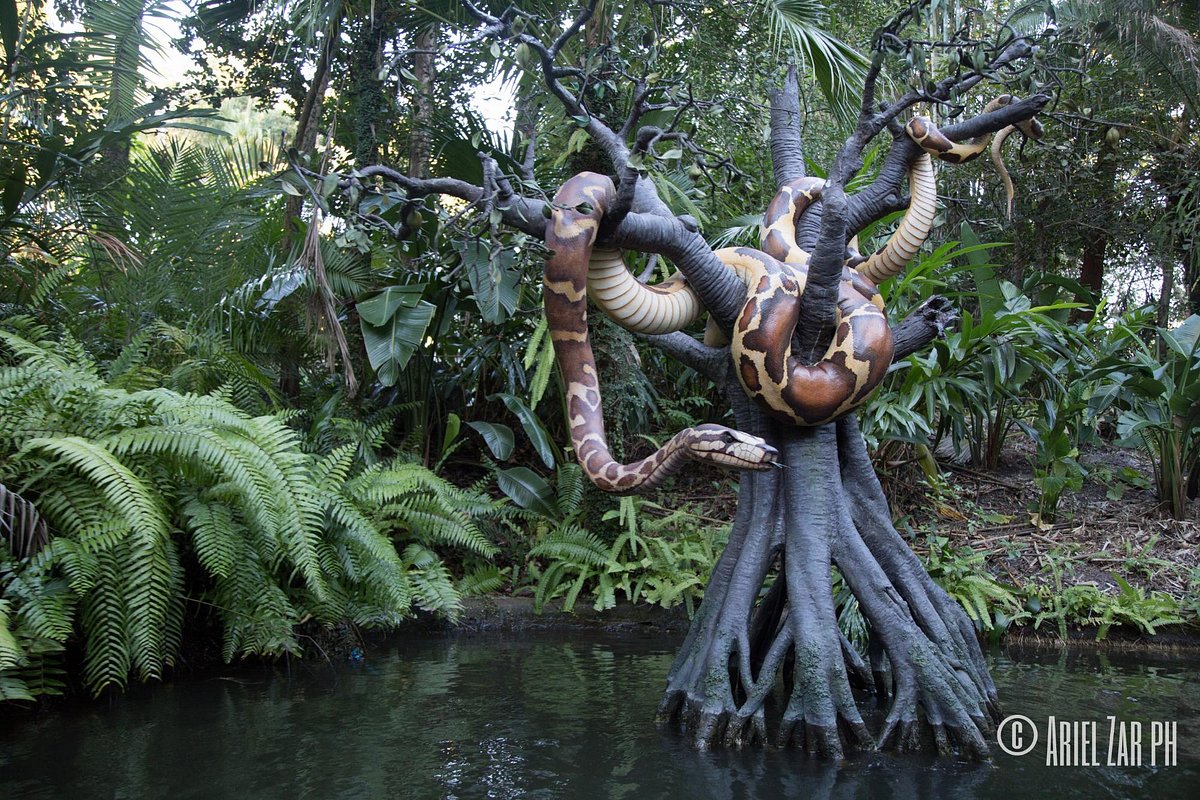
x=420 y=142
x=1095 y=243
x=367 y=95
x=308 y=123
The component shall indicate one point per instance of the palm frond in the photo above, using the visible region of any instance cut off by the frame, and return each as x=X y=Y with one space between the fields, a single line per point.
x=839 y=69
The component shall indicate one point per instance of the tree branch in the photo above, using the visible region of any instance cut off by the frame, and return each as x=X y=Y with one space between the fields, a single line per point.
x=502 y=27
x=678 y=239
x=918 y=329
x=879 y=198
x=708 y=361
x=524 y=214
x=787 y=151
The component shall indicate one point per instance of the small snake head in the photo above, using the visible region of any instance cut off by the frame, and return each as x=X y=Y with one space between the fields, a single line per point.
x=729 y=448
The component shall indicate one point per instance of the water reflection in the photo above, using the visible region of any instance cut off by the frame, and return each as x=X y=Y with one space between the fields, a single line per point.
x=543 y=715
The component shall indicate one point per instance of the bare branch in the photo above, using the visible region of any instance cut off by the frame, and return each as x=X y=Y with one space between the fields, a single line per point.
x=787 y=151
x=928 y=322
x=641 y=96
x=523 y=213
x=708 y=361
x=574 y=28
x=651 y=265
x=630 y=176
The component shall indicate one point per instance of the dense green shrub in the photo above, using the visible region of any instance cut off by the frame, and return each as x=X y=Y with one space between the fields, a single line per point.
x=156 y=498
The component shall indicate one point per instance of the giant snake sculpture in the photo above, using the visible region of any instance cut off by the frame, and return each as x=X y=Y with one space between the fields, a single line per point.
x=854 y=363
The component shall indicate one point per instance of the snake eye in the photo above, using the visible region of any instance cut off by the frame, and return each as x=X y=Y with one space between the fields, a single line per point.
x=728 y=437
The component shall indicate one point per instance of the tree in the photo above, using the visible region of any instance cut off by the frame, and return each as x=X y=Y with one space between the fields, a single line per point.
x=1108 y=201
x=826 y=510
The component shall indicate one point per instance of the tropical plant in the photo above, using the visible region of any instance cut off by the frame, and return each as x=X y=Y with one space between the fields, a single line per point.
x=962 y=573
x=154 y=498
x=1159 y=397
x=1085 y=603
x=972 y=384
x=1070 y=409
x=658 y=556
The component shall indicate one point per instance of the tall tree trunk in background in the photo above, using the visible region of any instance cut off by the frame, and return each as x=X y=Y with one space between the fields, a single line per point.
x=369 y=104
x=1095 y=243
x=420 y=142
x=1091 y=270
x=307 y=124
x=1164 y=294
x=596 y=29
x=122 y=95
x=309 y=120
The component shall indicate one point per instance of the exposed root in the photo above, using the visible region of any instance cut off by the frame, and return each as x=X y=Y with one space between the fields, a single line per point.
x=860 y=676
x=923 y=658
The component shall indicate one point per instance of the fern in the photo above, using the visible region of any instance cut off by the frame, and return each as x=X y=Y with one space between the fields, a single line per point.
x=129 y=479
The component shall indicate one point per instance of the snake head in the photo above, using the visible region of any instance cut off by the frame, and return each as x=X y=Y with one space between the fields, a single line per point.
x=729 y=448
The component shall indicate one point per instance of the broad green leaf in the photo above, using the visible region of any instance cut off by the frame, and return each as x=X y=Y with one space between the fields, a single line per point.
x=991 y=293
x=483 y=271
x=1185 y=339
x=510 y=283
x=391 y=343
x=10 y=26
x=380 y=308
x=533 y=426
x=499 y=438
x=528 y=490
x=453 y=426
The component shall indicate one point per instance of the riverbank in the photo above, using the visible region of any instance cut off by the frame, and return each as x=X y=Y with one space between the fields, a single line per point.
x=507 y=614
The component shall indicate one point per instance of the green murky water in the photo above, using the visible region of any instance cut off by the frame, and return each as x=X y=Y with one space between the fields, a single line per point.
x=562 y=714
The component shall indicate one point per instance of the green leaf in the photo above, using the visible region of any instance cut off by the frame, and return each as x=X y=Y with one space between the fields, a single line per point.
x=10 y=26
x=541 y=376
x=528 y=490
x=802 y=26
x=329 y=184
x=380 y=308
x=14 y=189
x=1185 y=339
x=485 y=275
x=393 y=326
x=453 y=426
x=499 y=438
x=991 y=294
x=533 y=426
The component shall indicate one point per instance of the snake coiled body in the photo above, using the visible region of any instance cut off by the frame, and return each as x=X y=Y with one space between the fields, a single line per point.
x=801 y=393
x=936 y=144
x=795 y=390
x=570 y=236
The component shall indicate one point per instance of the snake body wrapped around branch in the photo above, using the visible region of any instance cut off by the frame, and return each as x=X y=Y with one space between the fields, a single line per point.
x=570 y=236
x=793 y=389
